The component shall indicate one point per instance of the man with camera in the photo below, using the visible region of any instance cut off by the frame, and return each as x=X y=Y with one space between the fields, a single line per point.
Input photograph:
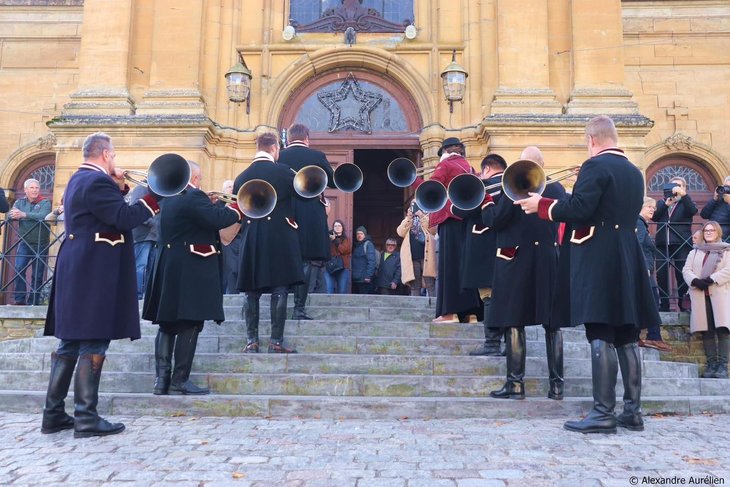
x=673 y=237
x=718 y=209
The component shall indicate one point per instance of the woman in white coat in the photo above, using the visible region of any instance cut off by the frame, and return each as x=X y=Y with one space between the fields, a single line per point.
x=707 y=272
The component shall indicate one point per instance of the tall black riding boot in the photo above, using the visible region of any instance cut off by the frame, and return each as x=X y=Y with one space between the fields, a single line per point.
x=710 y=346
x=164 y=344
x=723 y=350
x=87 y=421
x=301 y=291
x=629 y=360
x=185 y=345
x=278 y=320
x=514 y=388
x=554 y=348
x=251 y=312
x=55 y=418
x=604 y=367
x=492 y=336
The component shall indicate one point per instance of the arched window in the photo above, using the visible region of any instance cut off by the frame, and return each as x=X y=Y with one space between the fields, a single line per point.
x=362 y=15
x=695 y=180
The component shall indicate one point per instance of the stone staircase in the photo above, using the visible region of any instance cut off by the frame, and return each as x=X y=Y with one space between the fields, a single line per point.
x=362 y=357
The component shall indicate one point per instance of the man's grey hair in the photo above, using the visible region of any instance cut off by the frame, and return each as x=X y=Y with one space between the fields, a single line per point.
x=30 y=181
x=95 y=144
x=602 y=129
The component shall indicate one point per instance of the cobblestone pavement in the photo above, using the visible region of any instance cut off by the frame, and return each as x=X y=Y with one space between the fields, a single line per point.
x=408 y=453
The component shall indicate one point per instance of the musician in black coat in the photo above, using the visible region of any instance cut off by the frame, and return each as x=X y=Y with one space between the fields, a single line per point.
x=185 y=285
x=674 y=239
x=94 y=292
x=480 y=246
x=309 y=213
x=271 y=258
x=609 y=286
x=524 y=279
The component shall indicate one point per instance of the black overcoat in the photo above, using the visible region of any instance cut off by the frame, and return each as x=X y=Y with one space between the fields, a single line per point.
x=94 y=290
x=185 y=283
x=270 y=252
x=480 y=244
x=526 y=265
x=608 y=279
x=310 y=213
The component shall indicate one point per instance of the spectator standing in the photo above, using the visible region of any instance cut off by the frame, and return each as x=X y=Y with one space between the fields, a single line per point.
x=231 y=247
x=718 y=209
x=389 y=269
x=707 y=271
x=674 y=233
x=31 y=212
x=145 y=240
x=342 y=246
x=363 y=262
x=418 y=252
x=653 y=334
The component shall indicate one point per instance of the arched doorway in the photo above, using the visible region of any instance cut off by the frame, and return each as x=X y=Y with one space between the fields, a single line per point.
x=43 y=169
x=366 y=118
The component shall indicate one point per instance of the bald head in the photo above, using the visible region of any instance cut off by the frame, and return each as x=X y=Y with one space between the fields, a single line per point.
x=533 y=154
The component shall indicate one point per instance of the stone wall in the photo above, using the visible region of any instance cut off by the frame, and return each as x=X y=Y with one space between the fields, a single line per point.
x=21 y=321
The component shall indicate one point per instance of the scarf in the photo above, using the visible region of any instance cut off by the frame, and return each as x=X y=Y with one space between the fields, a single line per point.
x=713 y=253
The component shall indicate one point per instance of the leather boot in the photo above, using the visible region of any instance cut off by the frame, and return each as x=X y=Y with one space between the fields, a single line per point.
x=278 y=320
x=629 y=361
x=301 y=292
x=164 y=344
x=554 y=349
x=604 y=367
x=723 y=346
x=87 y=421
x=185 y=345
x=492 y=336
x=251 y=312
x=514 y=388
x=55 y=418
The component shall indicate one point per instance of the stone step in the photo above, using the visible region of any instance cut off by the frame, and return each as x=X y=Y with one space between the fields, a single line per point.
x=345 y=364
x=345 y=313
x=327 y=407
x=371 y=329
x=367 y=385
x=346 y=300
x=312 y=344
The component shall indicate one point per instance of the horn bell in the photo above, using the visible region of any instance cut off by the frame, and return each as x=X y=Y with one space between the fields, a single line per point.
x=256 y=198
x=310 y=181
x=431 y=196
x=402 y=172
x=168 y=175
x=348 y=177
x=521 y=178
x=466 y=191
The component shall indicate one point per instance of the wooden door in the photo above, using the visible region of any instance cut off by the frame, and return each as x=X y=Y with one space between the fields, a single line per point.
x=340 y=202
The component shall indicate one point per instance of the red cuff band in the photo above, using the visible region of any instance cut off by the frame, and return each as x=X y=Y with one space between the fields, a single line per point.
x=234 y=207
x=150 y=203
x=543 y=208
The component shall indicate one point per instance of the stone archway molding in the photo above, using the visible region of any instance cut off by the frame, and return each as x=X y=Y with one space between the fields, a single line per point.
x=322 y=60
x=683 y=145
x=13 y=165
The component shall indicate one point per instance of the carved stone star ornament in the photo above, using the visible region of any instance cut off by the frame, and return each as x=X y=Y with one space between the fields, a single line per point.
x=367 y=101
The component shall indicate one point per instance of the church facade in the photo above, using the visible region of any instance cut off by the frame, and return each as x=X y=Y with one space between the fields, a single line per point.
x=366 y=77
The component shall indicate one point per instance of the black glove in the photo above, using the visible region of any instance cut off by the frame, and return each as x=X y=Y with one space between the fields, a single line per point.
x=708 y=281
x=700 y=284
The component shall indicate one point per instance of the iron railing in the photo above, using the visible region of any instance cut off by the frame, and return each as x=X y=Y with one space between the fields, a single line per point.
x=26 y=270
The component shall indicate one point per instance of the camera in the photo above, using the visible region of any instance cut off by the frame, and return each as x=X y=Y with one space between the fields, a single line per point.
x=723 y=190
x=332 y=233
x=415 y=208
x=667 y=188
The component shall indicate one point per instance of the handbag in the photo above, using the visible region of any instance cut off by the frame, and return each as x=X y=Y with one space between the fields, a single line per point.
x=335 y=264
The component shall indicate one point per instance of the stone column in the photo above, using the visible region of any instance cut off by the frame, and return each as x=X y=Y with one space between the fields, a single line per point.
x=176 y=60
x=523 y=61
x=598 y=59
x=104 y=60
